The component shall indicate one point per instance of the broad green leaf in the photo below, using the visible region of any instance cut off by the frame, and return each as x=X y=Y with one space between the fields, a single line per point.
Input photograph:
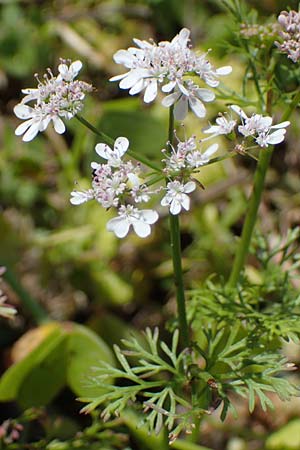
x=85 y=350
x=13 y=378
x=45 y=380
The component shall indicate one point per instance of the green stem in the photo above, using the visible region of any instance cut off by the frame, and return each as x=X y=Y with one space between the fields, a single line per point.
x=259 y=179
x=242 y=251
x=36 y=311
x=176 y=256
x=142 y=159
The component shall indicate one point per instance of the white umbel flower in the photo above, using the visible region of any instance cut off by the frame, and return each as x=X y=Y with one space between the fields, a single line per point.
x=140 y=220
x=56 y=98
x=79 y=197
x=176 y=197
x=114 y=157
x=167 y=66
x=260 y=128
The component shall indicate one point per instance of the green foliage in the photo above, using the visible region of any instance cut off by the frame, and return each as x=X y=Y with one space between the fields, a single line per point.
x=178 y=387
x=63 y=356
x=270 y=308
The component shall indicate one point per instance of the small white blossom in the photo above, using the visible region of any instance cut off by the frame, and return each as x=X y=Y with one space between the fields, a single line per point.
x=223 y=126
x=260 y=128
x=55 y=98
x=176 y=197
x=79 y=197
x=167 y=65
x=128 y=216
x=114 y=157
x=187 y=156
x=196 y=158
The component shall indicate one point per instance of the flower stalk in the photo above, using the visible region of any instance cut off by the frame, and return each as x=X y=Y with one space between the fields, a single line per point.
x=137 y=156
x=175 y=243
x=250 y=220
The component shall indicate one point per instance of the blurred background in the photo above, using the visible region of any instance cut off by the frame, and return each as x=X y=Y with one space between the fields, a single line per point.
x=61 y=257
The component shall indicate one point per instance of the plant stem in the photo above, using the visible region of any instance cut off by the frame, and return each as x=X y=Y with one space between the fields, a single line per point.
x=176 y=256
x=142 y=159
x=259 y=179
x=242 y=251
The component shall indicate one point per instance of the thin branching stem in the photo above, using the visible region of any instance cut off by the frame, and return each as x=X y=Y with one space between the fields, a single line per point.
x=250 y=220
x=110 y=141
x=176 y=256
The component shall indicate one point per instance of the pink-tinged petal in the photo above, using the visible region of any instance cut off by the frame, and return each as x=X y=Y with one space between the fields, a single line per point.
x=197 y=107
x=205 y=94
x=119 y=77
x=281 y=125
x=103 y=150
x=165 y=201
x=59 y=126
x=150 y=92
x=175 y=207
x=265 y=122
x=210 y=151
x=142 y=44
x=44 y=123
x=130 y=80
x=123 y=57
x=169 y=86
x=119 y=226
x=23 y=127
x=185 y=202
x=225 y=70
x=149 y=215
x=121 y=145
x=181 y=108
x=142 y=229
x=95 y=165
x=75 y=67
x=169 y=100
x=276 y=137
x=23 y=111
x=31 y=132
x=77 y=197
x=189 y=187
x=183 y=89
x=211 y=130
x=238 y=110
x=138 y=87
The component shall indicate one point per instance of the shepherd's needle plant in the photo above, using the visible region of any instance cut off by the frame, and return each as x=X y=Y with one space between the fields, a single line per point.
x=212 y=355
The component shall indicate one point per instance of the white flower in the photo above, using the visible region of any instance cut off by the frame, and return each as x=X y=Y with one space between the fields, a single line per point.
x=266 y=138
x=69 y=73
x=114 y=157
x=223 y=126
x=79 y=197
x=261 y=128
x=176 y=196
x=55 y=98
x=36 y=121
x=168 y=65
x=128 y=216
x=196 y=158
x=188 y=96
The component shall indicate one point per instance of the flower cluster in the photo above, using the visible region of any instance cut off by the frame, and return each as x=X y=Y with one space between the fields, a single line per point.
x=114 y=182
x=169 y=65
x=257 y=127
x=55 y=97
x=117 y=183
x=290 y=22
x=186 y=157
x=7 y=311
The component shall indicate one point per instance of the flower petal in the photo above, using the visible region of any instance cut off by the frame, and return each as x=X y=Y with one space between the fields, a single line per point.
x=119 y=226
x=121 y=145
x=151 y=91
x=142 y=229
